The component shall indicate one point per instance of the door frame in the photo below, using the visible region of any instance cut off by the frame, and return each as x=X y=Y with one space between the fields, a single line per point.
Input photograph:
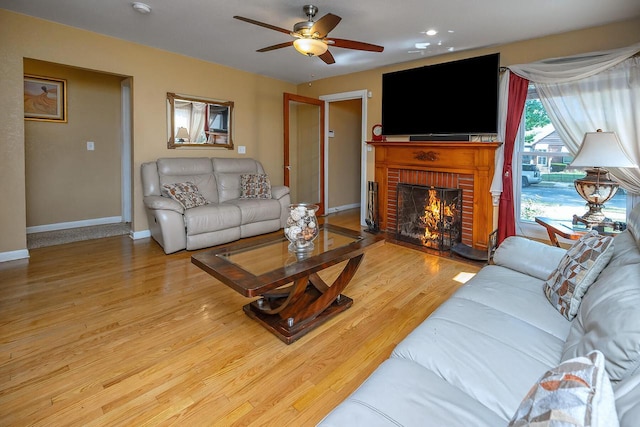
x=126 y=151
x=346 y=96
x=286 y=98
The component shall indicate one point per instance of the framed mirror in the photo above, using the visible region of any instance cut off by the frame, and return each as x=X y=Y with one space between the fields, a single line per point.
x=198 y=122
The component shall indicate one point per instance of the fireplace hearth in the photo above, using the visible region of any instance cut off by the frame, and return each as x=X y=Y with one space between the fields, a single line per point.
x=429 y=216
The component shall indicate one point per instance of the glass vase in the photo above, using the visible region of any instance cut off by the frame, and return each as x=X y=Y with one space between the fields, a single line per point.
x=302 y=227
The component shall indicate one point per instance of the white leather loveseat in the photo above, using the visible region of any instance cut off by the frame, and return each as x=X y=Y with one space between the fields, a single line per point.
x=498 y=351
x=221 y=208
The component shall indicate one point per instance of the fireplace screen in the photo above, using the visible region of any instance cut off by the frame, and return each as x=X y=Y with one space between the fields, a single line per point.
x=429 y=216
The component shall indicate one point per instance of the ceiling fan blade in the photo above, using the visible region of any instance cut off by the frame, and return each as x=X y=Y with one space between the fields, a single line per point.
x=325 y=24
x=275 y=46
x=327 y=58
x=352 y=44
x=262 y=24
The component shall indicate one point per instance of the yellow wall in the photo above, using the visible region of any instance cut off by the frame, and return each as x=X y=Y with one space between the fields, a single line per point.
x=257 y=118
x=64 y=181
x=258 y=100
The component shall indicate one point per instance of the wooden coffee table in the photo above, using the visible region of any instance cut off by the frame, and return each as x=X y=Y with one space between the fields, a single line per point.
x=293 y=299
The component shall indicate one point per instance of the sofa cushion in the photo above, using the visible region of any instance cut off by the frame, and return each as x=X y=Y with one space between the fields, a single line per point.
x=577 y=392
x=185 y=193
x=197 y=170
x=256 y=210
x=255 y=186
x=625 y=250
x=228 y=173
x=236 y=165
x=212 y=217
x=228 y=186
x=528 y=256
x=472 y=340
x=627 y=394
x=577 y=270
x=609 y=320
x=403 y=393
x=633 y=224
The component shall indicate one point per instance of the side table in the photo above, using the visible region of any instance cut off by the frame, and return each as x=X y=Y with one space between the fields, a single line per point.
x=564 y=229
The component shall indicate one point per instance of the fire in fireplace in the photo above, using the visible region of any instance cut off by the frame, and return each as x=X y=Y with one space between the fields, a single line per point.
x=429 y=216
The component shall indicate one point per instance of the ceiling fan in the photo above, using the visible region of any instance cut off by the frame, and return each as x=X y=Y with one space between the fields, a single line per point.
x=311 y=38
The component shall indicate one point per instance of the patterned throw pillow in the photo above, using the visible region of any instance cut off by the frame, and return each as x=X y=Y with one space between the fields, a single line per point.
x=255 y=186
x=185 y=193
x=577 y=270
x=575 y=393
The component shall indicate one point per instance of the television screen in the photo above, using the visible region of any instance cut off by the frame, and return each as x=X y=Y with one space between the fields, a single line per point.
x=459 y=97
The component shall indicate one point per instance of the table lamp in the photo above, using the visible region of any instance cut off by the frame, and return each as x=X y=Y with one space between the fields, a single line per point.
x=182 y=134
x=598 y=150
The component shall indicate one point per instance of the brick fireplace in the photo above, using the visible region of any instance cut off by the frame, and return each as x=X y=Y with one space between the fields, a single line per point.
x=465 y=165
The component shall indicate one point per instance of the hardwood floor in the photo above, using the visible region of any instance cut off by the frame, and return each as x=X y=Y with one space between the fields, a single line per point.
x=115 y=332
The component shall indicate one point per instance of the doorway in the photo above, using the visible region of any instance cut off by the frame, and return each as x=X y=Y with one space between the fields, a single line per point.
x=360 y=95
x=78 y=173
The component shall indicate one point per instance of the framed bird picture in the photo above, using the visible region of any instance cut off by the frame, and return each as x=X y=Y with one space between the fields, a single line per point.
x=45 y=99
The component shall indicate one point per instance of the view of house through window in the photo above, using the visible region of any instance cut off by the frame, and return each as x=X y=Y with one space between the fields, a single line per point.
x=546 y=186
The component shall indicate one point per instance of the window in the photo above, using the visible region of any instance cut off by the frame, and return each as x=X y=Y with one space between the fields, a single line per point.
x=546 y=184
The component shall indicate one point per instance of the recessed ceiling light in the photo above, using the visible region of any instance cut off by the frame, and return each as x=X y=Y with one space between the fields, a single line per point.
x=431 y=32
x=141 y=8
x=422 y=45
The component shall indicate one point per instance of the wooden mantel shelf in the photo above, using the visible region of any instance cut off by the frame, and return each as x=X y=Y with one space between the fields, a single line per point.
x=432 y=143
x=461 y=157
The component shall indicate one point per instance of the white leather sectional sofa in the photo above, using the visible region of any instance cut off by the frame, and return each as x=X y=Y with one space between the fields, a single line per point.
x=225 y=214
x=474 y=359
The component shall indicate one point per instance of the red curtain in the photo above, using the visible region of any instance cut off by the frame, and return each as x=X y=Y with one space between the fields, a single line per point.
x=517 y=97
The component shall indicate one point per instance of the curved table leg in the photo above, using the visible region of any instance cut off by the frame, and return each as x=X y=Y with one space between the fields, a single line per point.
x=309 y=303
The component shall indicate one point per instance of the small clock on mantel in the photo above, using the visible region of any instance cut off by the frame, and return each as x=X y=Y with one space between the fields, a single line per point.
x=376 y=133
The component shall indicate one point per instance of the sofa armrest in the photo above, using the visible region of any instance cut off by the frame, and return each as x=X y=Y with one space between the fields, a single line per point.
x=528 y=256
x=159 y=203
x=279 y=191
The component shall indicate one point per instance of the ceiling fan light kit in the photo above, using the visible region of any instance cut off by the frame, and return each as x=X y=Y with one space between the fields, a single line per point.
x=310 y=47
x=311 y=38
x=141 y=8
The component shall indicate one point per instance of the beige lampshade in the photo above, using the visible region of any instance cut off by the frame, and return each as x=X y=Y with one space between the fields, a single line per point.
x=310 y=47
x=182 y=133
x=602 y=149
x=598 y=151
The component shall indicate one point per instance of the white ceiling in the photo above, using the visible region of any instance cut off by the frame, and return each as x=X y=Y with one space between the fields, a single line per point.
x=206 y=29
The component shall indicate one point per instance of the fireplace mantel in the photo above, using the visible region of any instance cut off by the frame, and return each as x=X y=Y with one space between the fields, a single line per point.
x=458 y=157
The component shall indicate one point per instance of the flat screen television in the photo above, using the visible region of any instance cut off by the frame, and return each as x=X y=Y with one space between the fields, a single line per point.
x=458 y=97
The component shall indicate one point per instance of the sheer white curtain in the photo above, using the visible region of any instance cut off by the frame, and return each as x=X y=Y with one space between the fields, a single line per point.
x=610 y=101
x=198 y=116
x=598 y=90
x=503 y=102
x=190 y=115
x=181 y=115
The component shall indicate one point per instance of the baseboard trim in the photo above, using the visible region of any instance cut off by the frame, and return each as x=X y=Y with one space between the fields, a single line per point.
x=14 y=255
x=74 y=224
x=343 y=208
x=135 y=235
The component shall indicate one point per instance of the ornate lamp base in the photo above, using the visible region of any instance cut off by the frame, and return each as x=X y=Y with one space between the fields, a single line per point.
x=596 y=188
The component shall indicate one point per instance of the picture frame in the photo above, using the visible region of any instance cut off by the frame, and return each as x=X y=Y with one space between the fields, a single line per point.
x=45 y=99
